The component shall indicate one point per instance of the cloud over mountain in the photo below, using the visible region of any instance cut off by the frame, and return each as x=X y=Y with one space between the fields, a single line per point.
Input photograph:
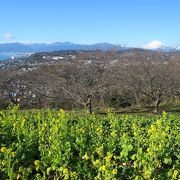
x=8 y=36
x=153 y=45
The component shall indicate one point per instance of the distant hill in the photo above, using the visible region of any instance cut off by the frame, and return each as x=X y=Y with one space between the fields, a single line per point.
x=39 y=47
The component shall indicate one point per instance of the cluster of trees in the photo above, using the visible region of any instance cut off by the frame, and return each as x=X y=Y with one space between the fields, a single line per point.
x=95 y=80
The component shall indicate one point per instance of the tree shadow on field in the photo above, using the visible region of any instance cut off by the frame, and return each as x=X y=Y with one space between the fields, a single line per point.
x=145 y=111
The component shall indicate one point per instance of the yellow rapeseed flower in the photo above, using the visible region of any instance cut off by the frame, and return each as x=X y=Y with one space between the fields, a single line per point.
x=97 y=162
x=114 y=172
x=175 y=174
x=85 y=157
x=36 y=162
x=102 y=168
x=61 y=113
x=3 y=149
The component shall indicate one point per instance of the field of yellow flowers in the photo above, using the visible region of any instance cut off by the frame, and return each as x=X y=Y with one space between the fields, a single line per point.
x=60 y=145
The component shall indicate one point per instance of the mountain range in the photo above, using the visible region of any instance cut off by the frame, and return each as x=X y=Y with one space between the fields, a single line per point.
x=39 y=47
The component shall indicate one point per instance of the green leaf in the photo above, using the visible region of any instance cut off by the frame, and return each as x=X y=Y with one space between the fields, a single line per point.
x=167 y=160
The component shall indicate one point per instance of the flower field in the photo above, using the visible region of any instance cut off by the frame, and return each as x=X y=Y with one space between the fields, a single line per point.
x=60 y=145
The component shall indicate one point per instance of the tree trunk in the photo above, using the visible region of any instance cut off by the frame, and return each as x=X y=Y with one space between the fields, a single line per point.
x=89 y=104
x=39 y=103
x=156 y=106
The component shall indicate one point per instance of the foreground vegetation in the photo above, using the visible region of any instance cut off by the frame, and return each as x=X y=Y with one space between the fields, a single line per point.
x=59 y=145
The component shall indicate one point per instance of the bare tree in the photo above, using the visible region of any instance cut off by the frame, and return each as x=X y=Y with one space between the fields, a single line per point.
x=152 y=76
x=82 y=80
x=16 y=90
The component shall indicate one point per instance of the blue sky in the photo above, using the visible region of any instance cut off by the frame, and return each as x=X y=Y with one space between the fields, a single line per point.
x=128 y=22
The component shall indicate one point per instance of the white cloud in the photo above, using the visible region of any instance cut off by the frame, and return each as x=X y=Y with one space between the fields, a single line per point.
x=25 y=42
x=153 y=45
x=8 y=36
